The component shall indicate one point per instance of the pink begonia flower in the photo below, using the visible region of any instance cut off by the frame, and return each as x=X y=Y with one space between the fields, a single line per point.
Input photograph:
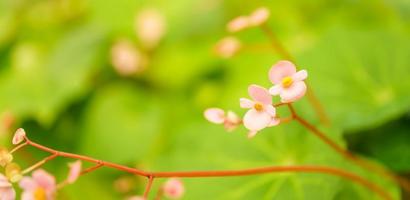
x=218 y=116
x=126 y=59
x=261 y=114
x=19 y=136
x=238 y=24
x=259 y=16
x=7 y=191
x=173 y=188
x=287 y=82
x=150 y=27
x=41 y=185
x=75 y=171
x=227 y=47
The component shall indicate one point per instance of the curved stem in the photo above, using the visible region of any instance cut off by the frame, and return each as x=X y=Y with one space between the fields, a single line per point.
x=348 y=155
x=191 y=174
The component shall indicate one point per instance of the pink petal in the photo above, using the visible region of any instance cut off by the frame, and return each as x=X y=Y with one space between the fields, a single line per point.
x=280 y=70
x=135 y=198
x=252 y=134
x=255 y=121
x=275 y=121
x=75 y=171
x=232 y=117
x=174 y=188
x=26 y=195
x=227 y=47
x=238 y=24
x=44 y=180
x=259 y=16
x=4 y=182
x=28 y=184
x=270 y=110
x=19 y=136
x=276 y=89
x=300 y=75
x=294 y=92
x=260 y=94
x=7 y=193
x=246 y=103
x=215 y=115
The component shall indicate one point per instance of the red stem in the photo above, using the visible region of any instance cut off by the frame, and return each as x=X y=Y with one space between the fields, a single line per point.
x=148 y=187
x=245 y=172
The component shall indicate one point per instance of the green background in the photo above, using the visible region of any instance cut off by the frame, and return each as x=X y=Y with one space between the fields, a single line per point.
x=56 y=80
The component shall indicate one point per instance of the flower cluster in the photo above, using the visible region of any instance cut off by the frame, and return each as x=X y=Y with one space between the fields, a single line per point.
x=287 y=83
x=40 y=186
x=230 y=45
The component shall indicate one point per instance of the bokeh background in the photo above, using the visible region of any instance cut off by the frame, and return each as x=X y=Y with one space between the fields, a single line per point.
x=58 y=80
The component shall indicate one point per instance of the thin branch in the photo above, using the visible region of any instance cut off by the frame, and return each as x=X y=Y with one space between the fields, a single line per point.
x=148 y=187
x=245 y=172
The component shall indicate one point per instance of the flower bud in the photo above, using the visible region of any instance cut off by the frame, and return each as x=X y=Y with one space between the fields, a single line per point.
x=19 y=136
x=13 y=172
x=5 y=157
x=174 y=188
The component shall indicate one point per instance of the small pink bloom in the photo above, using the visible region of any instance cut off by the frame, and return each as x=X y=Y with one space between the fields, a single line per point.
x=127 y=59
x=259 y=16
x=19 y=136
x=150 y=27
x=173 y=188
x=41 y=185
x=6 y=189
x=238 y=24
x=261 y=114
x=228 y=47
x=75 y=171
x=287 y=82
x=218 y=116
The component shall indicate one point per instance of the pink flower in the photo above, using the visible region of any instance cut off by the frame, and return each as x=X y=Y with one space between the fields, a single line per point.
x=126 y=59
x=150 y=27
x=19 y=136
x=135 y=198
x=6 y=189
x=173 y=188
x=259 y=16
x=287 y=82
x=41 y=185
x=238 y=24
x=75 y=171
x=218 y=116
x=261 y=114
x=228 y=47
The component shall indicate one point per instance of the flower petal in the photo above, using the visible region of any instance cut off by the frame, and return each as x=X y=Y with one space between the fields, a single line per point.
x=259 y=16
x=45 y=180
x=300 y=75
x=238 y=24
x=28 y=184
x=276 y=89
x=280 y=70
x=275 y=121
x=174 y=188
x=255 y=120
x=4 y=182
x=75 y=171
x=7 y=193
x=215 y=115
x=270 y=110
x=294 y=92
x=19 y=136
x=246 y=103
x=260 y=94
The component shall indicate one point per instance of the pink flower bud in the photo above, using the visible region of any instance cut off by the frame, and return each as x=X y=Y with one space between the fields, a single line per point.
x=259 y=16
x=227 y=47
x=238 y=24
x=127 y=59
x=173 y=188
x=19 y=136
x=150 y=27
x=75 y=171
x=135 y=198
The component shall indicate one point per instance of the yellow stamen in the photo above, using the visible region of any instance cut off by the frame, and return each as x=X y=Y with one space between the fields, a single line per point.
x=287 y=81
x=40 y=194
x=258 y=107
